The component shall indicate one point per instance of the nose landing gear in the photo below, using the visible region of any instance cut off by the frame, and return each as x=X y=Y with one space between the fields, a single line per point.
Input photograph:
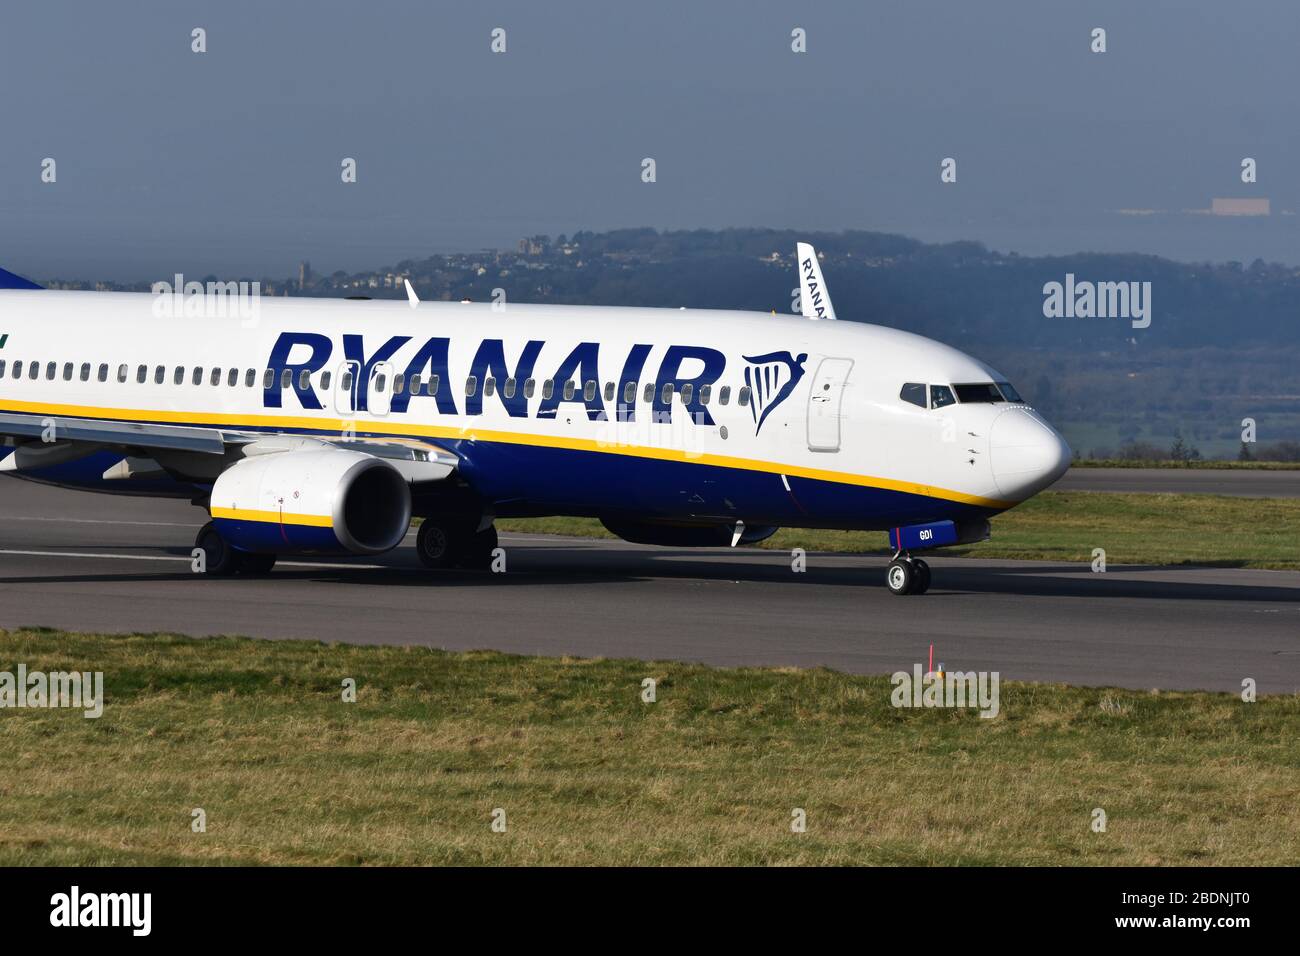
x=907 y=575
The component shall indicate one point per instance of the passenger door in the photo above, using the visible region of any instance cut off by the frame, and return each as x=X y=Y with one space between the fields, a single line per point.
x=825 y=403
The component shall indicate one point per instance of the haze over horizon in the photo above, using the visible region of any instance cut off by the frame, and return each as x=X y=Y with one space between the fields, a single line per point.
x=227 y=162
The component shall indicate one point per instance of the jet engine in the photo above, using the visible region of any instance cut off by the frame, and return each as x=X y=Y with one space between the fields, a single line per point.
x=328 y=500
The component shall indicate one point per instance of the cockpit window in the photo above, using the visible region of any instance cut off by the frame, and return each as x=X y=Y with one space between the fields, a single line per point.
x=913 y=392
x=940 y=395
x=1009 y=393
x=983 y=392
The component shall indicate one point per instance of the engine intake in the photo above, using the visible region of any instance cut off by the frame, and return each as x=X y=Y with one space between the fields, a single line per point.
x=325 y=501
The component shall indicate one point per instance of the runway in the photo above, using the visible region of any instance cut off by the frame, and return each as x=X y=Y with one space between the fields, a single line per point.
x=1201 y=481
x=108 y=564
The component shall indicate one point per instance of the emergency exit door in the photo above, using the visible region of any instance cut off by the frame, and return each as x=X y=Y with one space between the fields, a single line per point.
x=825 y=403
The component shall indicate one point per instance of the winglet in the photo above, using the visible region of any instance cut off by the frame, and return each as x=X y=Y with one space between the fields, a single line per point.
x=411 y=297
x=814 y=300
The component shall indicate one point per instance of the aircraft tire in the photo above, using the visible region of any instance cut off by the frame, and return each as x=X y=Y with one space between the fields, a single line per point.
x=900 y=577
x=443 y=542
x=220 y=560
x=922 y=576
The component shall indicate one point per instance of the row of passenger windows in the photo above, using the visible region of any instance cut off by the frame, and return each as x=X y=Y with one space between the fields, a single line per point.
x=941 y=395
x=416 y=384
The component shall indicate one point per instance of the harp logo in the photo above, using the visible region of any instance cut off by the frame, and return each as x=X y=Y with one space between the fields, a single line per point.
x=771 y=379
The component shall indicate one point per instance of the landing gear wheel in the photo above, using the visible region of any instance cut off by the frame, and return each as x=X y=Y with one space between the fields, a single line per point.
x=438 y=543
x=220 y=560
x=256 y=564
x=453 y=543
x=922 y=576
x=479 y=553
x=900 y=576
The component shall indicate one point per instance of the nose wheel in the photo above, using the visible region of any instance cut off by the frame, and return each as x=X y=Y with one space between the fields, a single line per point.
x=907 y=575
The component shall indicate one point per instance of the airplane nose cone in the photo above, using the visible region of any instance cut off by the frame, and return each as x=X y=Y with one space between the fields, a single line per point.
x=1026 y=454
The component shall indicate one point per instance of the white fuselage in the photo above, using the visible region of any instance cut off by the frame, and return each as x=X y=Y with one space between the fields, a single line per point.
x=119 y=357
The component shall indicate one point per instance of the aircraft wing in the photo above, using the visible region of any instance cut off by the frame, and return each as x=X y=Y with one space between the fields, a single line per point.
x=196 y=452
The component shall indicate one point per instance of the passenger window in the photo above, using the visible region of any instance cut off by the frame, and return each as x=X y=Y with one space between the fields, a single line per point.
x=17 y=370
x=432 y=387
x=34 y=370
x=325 y=381
x=49 y=370
x=629 y=393
x=160 y=374
x=85 y=371
x=250 y=378
x=103 y=372
x=688 y=391
x=67 y=371
x=914 y=393
x=569 y=389
x=121 y=373
x=509 y=389
x=304 y=380
x=529 y=387
x=589 y=392
x=268 y=379
x=666 y=395
x=141 y=374
x=197 y=379
x=381 y=382
x=215 y=377
x=548 y=388
x=399 y=383
x=941 y=395
x=345 y=382
x=286 y=379
x=648 y=393
x=706 y=392
x=2 y=368
x=724 y=394
x=489 y=386
x=178 y=378
x=610 y=388
x=743 y=398
x=415 y=384
x=471 y=385
x=232 y=378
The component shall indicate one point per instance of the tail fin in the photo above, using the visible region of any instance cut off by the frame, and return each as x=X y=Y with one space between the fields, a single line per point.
x=10 y=281
x=814 y=300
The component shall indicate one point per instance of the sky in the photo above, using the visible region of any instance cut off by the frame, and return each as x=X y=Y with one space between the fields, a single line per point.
x=228 y=162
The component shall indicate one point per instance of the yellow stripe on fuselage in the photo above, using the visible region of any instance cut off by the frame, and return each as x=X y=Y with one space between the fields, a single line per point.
x=304 y=423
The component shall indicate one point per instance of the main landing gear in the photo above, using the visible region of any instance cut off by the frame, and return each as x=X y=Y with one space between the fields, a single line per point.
x=907 y=575
x=446 y=542
x=221 y=560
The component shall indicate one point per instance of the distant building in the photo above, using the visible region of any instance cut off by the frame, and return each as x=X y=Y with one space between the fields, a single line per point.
x=1239 y=207
x=304 y=275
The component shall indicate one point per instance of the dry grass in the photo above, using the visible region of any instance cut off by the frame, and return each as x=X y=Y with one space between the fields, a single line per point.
x=257 y=735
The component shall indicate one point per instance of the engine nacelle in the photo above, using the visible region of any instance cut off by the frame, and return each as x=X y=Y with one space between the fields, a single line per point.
x=684 y=535
x=327 y=500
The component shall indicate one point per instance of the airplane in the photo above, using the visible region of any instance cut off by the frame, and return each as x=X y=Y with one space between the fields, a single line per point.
x=314 y=426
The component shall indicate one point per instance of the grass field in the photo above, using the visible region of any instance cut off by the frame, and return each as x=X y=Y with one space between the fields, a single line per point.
x=256 y=734
x=1067 y=526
